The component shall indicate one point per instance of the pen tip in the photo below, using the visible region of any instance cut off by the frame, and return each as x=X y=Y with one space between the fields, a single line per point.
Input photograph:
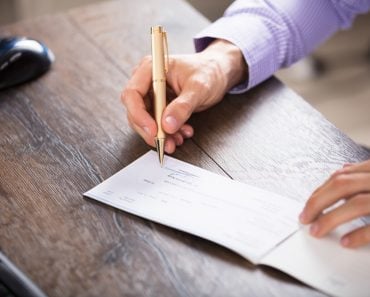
x=160 y=149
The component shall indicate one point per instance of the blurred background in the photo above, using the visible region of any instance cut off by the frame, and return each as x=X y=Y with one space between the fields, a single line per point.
x=335 y=79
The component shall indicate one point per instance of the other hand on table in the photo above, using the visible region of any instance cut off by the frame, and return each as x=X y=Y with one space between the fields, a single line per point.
x=351 y=183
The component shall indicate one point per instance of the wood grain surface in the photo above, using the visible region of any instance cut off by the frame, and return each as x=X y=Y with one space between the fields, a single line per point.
x=67 y=131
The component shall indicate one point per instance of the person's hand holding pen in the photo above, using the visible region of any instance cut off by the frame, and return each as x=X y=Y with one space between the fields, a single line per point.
x=197 y=81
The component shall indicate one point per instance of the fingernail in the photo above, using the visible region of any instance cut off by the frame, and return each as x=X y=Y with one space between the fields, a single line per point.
x=187 y=133
x=302 y=217
x=146 y=130
x=172 y=122
x=345 y=241
x=314 y=229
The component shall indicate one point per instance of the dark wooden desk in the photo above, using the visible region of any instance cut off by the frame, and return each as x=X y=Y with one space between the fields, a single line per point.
x=67 y=131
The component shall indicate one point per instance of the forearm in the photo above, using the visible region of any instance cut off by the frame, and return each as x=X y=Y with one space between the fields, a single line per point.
x=275 y=34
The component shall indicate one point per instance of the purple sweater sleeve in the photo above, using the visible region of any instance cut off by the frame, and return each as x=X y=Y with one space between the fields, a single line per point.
x=276 y=33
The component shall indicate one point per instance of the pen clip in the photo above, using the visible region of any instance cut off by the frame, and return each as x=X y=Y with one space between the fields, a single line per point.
x=165 y=46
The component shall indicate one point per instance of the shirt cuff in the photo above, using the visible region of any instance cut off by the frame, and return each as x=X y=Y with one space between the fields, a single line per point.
x=256 y=42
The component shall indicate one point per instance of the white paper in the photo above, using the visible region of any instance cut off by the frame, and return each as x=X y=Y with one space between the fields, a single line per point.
x=245 y=219
x=324 y=263
x=259 y=225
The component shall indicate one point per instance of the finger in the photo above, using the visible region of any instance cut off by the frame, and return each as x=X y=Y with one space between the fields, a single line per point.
x=355 y=207
x=347 y=165
x=178 y=137
x=137 y=113
x=337 y=172
x=357 y=238
x=337 y=188
x=187 y=131
x=142 y=131
x=141 y=79
x=179 y=140
x=178 y=112
x=324 y=184
x=359 y=167
x=140 y=82
x=170 y=145
x=133 y=99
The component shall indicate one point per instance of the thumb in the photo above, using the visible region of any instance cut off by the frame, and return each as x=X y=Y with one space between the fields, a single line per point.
x=178 y=112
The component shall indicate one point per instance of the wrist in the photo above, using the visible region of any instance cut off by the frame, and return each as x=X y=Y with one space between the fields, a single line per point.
x=230 y=60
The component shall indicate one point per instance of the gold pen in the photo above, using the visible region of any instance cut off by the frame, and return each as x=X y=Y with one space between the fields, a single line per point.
x=159 y=70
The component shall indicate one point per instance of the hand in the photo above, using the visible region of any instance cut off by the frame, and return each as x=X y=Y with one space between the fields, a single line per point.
x=196 y=81
x=351 y=183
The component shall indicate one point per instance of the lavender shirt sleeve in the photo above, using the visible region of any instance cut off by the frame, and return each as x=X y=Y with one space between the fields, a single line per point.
x=276 y=33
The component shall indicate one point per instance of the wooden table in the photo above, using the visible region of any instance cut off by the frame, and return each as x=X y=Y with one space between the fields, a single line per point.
x=67 y=131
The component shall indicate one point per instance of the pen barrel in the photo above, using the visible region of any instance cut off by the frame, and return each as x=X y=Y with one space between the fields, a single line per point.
x=159 y=91
x=159 y=76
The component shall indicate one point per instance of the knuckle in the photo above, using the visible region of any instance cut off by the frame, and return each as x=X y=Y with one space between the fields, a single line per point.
x=202 y=83
x=126 y=96
x=206 y=86
x=341 y=180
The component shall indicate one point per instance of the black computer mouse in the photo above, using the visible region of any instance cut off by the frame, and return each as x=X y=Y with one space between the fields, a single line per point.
x=22 y=59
